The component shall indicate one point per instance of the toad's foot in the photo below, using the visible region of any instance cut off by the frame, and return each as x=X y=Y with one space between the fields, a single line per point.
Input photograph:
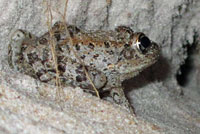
x=119 y=97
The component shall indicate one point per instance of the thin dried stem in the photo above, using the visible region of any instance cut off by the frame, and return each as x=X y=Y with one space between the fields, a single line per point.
x=76 y=55
x=52 y=42
x=109 y=2
x=65 y=11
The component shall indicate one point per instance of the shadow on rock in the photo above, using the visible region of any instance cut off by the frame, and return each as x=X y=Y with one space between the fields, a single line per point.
x=157 y=72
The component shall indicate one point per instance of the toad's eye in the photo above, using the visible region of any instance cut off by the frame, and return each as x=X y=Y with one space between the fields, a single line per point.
x=143 y=42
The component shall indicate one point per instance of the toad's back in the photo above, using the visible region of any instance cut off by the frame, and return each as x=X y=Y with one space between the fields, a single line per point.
x=121 y=51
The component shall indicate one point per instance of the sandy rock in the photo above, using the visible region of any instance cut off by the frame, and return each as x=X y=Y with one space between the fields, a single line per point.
x=166 y=96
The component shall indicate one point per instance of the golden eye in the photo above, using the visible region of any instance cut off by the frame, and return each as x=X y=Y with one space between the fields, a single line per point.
x=143 y=42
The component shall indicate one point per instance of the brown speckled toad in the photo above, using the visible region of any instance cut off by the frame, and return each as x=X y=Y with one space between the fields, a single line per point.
x=110 y=57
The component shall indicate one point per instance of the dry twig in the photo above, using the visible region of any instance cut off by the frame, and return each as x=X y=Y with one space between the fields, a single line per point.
x=76 y=55
x=52 y=42
x=59 y=91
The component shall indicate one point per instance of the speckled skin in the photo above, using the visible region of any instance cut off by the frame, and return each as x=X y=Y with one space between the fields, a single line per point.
x=110 y=57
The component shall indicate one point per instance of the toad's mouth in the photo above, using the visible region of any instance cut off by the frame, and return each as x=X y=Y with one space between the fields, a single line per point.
x=132 y=71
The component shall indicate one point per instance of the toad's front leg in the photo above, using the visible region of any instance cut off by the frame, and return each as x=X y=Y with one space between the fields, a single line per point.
x=117 y=92
x=119 y=97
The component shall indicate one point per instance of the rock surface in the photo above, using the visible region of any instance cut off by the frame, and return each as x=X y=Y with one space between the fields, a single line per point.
x=162 y=105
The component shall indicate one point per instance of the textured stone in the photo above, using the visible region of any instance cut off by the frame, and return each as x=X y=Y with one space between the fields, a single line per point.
x=174 y=25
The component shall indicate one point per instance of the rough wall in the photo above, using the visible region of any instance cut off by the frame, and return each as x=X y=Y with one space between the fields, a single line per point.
x=155 y=94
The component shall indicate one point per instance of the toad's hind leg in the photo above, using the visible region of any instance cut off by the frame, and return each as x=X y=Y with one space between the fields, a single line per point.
x=119 y=97
x=15 y=46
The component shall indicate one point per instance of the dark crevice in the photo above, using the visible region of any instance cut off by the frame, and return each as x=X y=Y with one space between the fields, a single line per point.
x=185 y=69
